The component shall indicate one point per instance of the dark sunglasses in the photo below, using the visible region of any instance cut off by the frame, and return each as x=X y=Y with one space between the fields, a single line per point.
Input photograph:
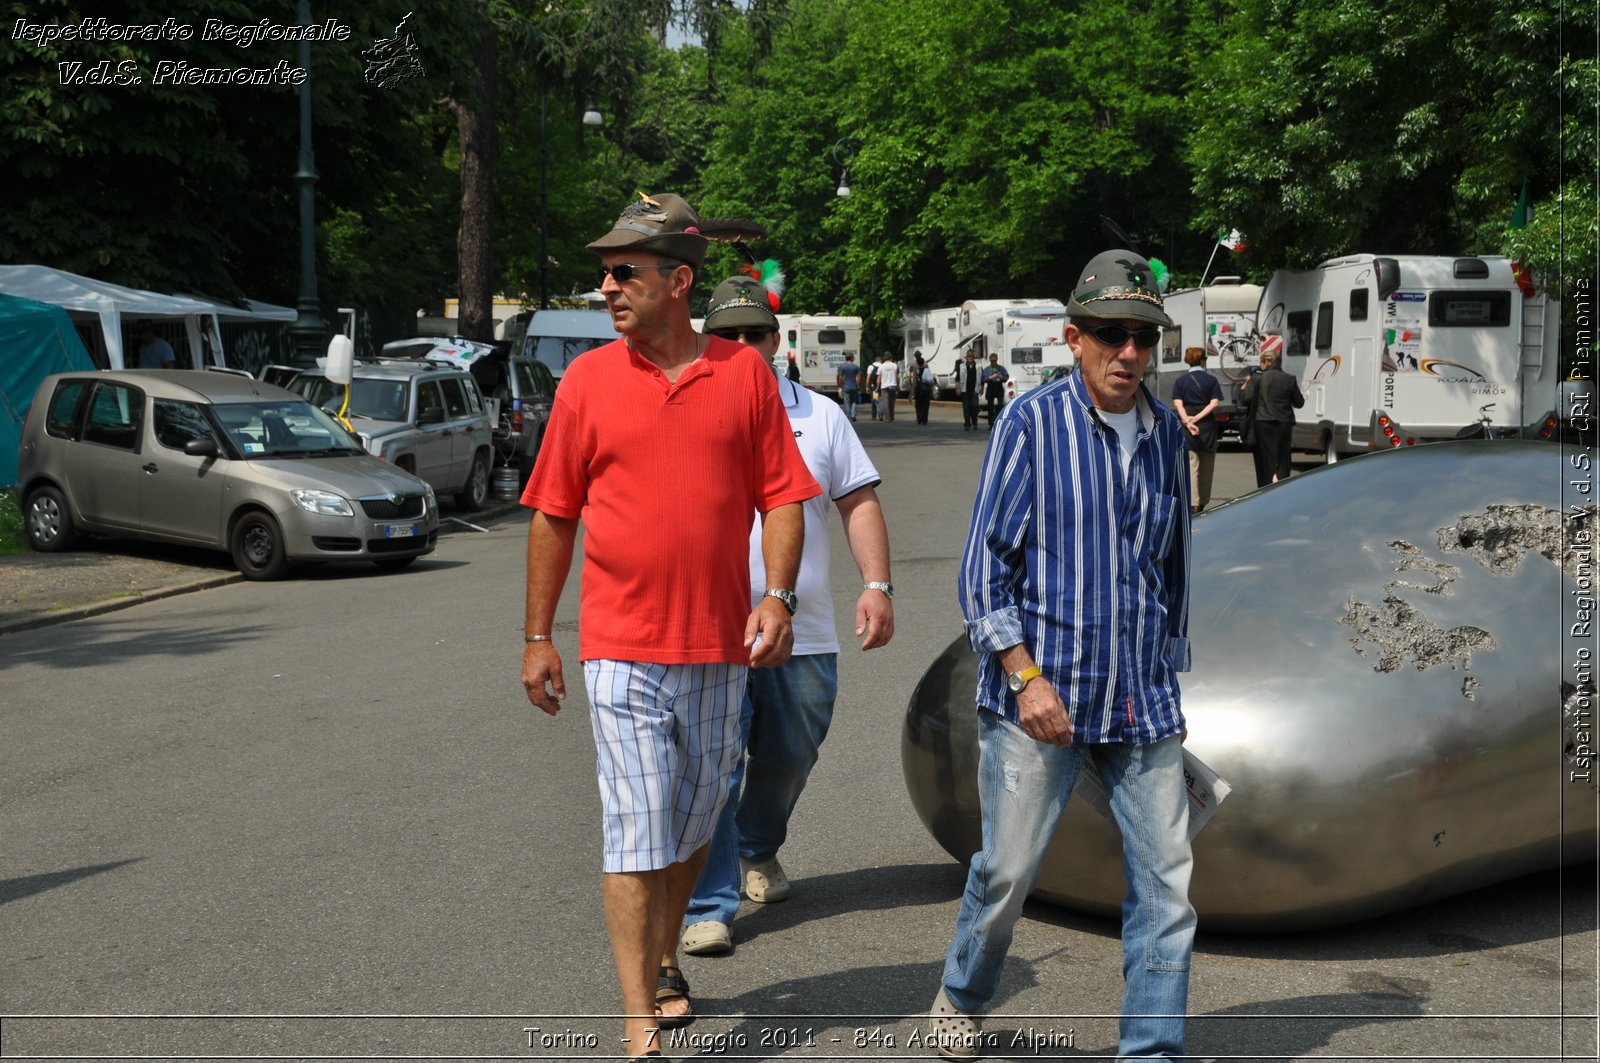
x=749 y=335
x=623 y=272
x=1116 y=335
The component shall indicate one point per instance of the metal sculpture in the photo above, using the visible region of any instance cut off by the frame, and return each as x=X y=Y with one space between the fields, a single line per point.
x=1385 y=673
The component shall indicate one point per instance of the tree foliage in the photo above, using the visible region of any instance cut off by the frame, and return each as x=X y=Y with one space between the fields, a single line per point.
x=991 y=147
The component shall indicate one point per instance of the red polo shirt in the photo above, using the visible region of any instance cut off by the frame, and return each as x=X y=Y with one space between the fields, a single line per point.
x=666 y=477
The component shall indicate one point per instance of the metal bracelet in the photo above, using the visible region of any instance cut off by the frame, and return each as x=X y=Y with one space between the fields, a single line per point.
x=536 y=638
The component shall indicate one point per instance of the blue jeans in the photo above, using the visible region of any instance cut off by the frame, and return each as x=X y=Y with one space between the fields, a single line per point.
x=849 y=397
x=1023 y=786
x=786 y=716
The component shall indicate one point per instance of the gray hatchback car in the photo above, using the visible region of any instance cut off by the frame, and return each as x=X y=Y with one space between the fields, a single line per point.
x=214 y=460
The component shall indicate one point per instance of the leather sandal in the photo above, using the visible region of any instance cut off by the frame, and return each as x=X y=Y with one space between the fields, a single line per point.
x=672 y=985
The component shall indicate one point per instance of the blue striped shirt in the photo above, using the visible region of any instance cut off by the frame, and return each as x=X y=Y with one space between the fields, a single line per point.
x=1086 y=565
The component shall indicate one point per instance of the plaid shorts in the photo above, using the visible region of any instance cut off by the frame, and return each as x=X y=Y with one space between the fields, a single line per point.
x=667 y=738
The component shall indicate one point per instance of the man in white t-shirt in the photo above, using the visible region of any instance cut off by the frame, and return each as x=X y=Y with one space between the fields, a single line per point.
x=889 y=384
x=787 y=710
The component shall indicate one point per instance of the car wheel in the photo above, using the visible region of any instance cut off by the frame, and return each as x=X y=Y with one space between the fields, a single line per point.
x=476 y=493
x=390 y=563
x=47 y=522
x=257 y=547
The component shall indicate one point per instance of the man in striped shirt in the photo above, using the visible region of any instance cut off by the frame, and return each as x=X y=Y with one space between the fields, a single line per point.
x=1074 y=585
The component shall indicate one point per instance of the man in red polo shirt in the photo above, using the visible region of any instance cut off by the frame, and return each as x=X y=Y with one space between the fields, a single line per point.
x=665 y=443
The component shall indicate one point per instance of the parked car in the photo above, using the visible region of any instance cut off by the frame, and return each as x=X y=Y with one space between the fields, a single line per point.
x=428 y=419
x=521 y=389
x=526 y=392
x=213 y=460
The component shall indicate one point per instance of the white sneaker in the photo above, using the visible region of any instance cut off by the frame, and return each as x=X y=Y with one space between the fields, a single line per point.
x=953 y=1034
x=707 y=938
x=764 y=883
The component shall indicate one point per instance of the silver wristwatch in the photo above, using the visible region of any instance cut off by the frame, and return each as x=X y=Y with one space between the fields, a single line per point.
x=790 y=600
x=880 y=585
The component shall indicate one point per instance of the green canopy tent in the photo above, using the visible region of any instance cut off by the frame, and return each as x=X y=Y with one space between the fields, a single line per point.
x=36 y=339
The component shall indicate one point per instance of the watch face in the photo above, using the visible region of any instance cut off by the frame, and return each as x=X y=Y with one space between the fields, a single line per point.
x=1014 y=681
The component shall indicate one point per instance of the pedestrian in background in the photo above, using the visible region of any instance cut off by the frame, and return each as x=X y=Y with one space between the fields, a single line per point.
x=787 y=710
x=666 y=632
x=872 y=385
x=888 y=384
x=968 y=388
x=1195 y=397
x=995 y=377
x=849 y=383
x=925 y=383
x=1081 y=659
x=154 y=352
x=1271 y=397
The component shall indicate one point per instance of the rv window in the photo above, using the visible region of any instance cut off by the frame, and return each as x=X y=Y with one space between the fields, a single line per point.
x=913 y=338
x=999 y=326
x=1466 y=309
x=1027 y=355
x=1324 y=325
x=791 y=337
x=966 y=318
x=950 y=325
x=830 y=335
x=1171 y=346
x=1358 y=304
x=1298 y=341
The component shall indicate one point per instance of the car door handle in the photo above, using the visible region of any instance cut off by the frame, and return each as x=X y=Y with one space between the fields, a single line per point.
x=152 y=467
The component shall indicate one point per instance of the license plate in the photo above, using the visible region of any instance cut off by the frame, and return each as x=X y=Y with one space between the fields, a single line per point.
x=399 y=531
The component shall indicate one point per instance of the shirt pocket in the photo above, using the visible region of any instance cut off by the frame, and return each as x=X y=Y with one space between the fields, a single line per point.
x=1160 y=523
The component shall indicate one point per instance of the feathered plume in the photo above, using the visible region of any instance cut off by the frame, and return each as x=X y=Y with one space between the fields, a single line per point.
x=770 y=274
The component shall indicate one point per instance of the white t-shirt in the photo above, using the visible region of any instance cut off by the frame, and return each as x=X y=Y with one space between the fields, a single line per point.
x=888 y=375
x=1127 y=426
x=835 y=456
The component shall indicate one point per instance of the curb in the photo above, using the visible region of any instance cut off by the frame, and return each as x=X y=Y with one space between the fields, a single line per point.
x=491 y=512
x=111 y=605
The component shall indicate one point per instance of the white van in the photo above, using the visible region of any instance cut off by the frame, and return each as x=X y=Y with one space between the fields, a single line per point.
x=1221 y=318
x=556 y=337
x=819 y=343
x=934 y=334
x=1395 y=350
x=1029 y=335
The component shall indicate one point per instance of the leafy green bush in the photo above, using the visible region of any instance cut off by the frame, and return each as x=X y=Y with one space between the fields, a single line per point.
x=11 y=540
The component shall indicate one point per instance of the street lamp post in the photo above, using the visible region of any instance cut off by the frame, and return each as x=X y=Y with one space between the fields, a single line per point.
x=591 y=118
x=844 y=153
x=309 y=331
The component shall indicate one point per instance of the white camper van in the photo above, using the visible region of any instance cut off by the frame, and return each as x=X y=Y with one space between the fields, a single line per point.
x=819 y=343
x=1029 y=335
x=1221 y=318
x=933 y=333
x=556 y=337
x=1397 y=350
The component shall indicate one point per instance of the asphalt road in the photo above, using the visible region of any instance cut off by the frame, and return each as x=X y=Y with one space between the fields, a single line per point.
x=318 y=818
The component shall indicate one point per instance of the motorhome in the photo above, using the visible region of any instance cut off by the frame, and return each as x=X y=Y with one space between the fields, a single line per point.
x=1221 y=319
x=933 y=334
x=1029 y=335
x=818 y=343
x=1395 y=350
x=556 y=337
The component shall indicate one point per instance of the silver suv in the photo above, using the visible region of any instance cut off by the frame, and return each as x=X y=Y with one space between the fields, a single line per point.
x=213 y=460
x=427 y=419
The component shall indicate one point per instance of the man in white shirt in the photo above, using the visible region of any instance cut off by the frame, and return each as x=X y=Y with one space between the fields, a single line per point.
x=888 y=383
x=787 y=710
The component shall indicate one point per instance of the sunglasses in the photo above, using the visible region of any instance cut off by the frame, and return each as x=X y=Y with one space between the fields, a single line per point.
x=623 y=272
x=748 y=335
x=1116 y=335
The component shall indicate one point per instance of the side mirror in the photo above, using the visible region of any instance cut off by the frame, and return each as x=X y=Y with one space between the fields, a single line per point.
x=341 y=360
x=204 y=447
x=431 y=415
x=1388 y=271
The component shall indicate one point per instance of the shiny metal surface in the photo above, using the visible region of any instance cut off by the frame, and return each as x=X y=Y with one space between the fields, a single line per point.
x=1381 y=670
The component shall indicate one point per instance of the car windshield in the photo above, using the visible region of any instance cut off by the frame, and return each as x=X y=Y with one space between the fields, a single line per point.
x=284 y=429
x=380 y=400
